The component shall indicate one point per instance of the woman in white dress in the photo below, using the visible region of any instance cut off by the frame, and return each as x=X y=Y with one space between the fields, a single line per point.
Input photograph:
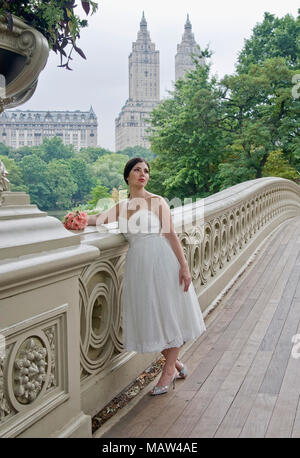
x=160 y=307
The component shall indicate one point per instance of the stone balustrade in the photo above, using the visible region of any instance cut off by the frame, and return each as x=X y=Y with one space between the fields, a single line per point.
x=61 y=353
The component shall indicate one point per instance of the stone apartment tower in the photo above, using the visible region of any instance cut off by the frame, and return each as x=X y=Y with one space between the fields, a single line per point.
x=131 y=124
x=188 y=45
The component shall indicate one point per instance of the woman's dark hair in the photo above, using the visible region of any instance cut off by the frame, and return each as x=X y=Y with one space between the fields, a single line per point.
x=130 y=164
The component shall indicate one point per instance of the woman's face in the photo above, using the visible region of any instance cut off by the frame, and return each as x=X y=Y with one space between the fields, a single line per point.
x=139 y=175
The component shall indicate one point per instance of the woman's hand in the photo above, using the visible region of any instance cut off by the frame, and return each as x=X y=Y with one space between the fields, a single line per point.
x=185 y=276
x=91 y=220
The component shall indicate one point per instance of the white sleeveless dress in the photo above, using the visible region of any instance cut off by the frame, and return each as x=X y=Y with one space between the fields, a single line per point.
x=157 y=313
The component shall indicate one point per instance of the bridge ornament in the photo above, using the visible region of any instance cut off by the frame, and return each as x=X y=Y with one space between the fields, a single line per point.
x=30 y=370
x=31 y=364
x=100 y=312
x=4 y=182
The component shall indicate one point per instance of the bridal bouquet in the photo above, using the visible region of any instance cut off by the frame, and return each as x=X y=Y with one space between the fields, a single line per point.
x=75 y=221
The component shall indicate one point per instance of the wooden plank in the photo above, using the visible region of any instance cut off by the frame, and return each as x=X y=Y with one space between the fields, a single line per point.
x=189 y=416
x=282 y=420
x=214 y=380
x=129 y=421
x=259 y=417
x=286 y=289
x=122 y=428
x=297 y=292
x=242 y=404
x=167 y=417
x=296 y=425
x=222 y=401
x=237 y=343
x=276 y=370
x=280 y=257
x=193 y=411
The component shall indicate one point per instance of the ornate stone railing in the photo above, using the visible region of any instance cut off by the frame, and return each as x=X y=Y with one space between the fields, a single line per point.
x=61 y=353
x=233 y=223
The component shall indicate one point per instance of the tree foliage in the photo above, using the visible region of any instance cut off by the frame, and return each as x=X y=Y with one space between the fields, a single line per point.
x=277 y=166
x=138 y=151
x=56 y=20
x=109 y=170
x=274 y=37
x=211 y=134
x=55 y=176
x=186 y=136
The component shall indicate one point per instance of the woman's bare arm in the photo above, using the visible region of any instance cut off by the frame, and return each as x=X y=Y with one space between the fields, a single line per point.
x=106 y=217
x=167 y=229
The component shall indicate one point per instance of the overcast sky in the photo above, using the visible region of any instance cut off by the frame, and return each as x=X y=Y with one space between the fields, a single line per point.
x=102 y=79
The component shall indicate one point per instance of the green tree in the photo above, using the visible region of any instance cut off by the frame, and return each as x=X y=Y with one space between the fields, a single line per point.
x=158 y=174
x=61 y=183
x=35 y=177
x=261 y=115
x=53 y=148
x=277 y=166
x=4 y=150
x=82 y=176
x=186 y=135
x=138 y=151
x=109 y=170
x=98 y=192
x=91 y=154
x=274 y=37
x=18 y=154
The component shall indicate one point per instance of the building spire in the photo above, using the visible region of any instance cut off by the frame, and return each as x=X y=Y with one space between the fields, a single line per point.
x=143 y=22
x=188 y=24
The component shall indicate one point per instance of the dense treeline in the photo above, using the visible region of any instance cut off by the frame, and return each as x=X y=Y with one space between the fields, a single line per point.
x=58 y=178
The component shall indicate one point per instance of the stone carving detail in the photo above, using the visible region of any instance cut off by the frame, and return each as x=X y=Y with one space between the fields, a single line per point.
x=50 y=333
x=33 y=46
x=26 y=42
x=4 y=406
x=30 y=370
x=4 y=182
x=100 y=314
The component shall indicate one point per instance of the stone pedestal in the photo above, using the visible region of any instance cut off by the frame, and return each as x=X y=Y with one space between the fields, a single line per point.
x=40 y=262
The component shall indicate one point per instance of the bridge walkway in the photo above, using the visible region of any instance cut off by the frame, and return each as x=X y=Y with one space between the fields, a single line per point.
x=243 y=378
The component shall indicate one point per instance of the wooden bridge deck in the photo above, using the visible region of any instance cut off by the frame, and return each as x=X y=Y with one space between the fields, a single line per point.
x=243 y=380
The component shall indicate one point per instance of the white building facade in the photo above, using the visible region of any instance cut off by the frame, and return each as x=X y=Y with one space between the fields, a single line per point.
x=28 y=128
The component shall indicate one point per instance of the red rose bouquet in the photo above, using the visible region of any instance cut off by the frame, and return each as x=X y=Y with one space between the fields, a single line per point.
x=75 y=221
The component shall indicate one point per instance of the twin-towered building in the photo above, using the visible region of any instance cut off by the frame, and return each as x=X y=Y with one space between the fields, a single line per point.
x=131 y=124
x=79 y=128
